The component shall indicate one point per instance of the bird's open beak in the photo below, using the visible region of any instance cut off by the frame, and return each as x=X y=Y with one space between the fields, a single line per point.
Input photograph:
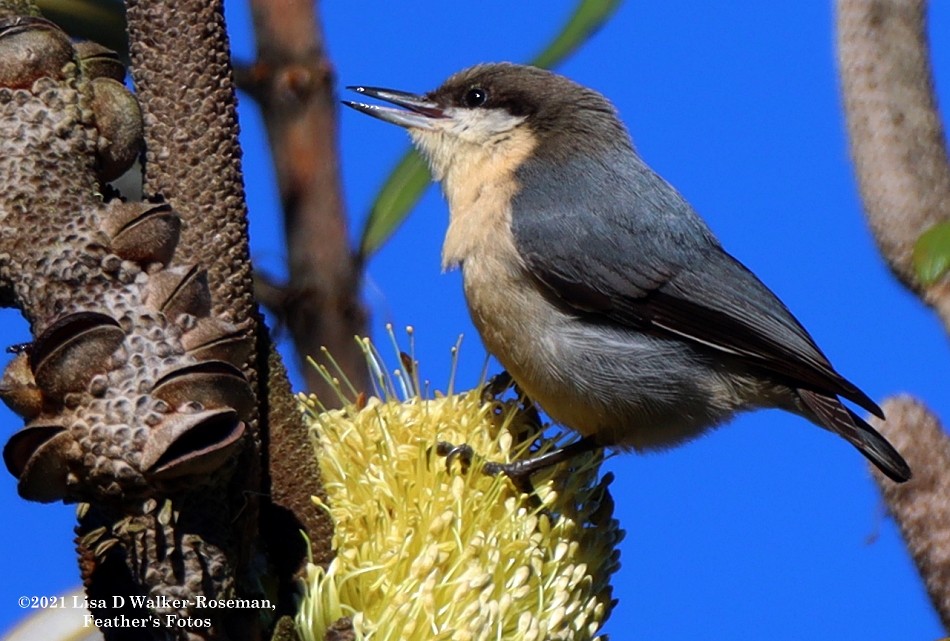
x=422 y=113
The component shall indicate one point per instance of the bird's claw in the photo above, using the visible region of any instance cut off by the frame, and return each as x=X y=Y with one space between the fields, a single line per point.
x=464 y=453
x=517 y=472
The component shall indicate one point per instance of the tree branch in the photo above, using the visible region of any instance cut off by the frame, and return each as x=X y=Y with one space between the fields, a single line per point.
x=921 y=506
x=900 y=157
x=897 y=139
x=292 y=80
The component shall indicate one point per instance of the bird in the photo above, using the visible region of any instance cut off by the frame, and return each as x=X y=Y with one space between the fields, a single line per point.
x=595 y=284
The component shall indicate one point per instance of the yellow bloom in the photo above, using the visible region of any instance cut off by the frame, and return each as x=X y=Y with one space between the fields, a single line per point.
x=426 y=552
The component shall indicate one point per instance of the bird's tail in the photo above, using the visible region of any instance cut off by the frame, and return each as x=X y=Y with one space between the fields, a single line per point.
x=831 y=414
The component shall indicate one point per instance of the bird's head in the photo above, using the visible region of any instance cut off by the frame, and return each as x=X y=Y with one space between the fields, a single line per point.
x=499 y=114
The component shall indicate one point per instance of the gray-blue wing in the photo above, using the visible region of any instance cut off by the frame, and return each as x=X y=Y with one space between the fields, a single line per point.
x=620 y=245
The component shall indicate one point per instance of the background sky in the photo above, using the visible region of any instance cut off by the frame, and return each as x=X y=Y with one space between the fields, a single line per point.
x=767 y=528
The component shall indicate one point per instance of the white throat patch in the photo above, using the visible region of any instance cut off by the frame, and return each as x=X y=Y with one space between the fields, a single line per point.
x=467 y=136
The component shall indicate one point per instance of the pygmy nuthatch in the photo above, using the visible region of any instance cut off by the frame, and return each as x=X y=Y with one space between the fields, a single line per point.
x=594 y=282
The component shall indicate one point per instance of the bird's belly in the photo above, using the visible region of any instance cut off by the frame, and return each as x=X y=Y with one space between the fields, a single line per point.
x=625 y=388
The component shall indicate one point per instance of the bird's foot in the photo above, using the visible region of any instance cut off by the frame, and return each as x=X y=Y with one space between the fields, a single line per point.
x=465 y=455
x=519 y=472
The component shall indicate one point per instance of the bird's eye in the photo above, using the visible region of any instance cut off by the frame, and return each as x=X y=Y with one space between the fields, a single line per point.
x=475 y=97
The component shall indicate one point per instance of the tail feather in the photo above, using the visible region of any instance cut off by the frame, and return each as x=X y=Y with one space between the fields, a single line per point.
x=831 y=414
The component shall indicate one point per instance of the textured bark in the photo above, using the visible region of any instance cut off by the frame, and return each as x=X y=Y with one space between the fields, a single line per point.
x=900 y=157
x=193 y=160
x=293 y=81
x=150 y=385
x=126 y=411
x=181 y=70
x=180 y=67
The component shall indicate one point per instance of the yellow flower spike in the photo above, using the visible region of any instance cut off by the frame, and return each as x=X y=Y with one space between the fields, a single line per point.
x=425 y=552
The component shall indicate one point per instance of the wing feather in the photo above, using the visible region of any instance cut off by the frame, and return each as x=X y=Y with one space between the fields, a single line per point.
x=627 y=249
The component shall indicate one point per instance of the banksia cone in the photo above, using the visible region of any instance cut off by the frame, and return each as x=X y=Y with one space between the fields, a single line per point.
x=426 y=551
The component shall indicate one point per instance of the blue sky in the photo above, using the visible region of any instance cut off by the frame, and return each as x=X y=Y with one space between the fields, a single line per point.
x=762 y=528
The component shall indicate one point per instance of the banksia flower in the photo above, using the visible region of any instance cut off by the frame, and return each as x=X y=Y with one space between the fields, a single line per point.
x=426 y=550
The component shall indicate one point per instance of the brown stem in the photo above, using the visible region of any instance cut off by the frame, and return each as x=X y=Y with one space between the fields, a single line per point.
x=293 y=81
x=271 y=295
x=897 y=139
x=920 y=506
x=900 y=157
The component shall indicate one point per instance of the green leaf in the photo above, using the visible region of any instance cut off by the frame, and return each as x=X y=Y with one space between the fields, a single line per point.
x=588 y=17
x=408 y=181
x=400 y=193
x=932 y=253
